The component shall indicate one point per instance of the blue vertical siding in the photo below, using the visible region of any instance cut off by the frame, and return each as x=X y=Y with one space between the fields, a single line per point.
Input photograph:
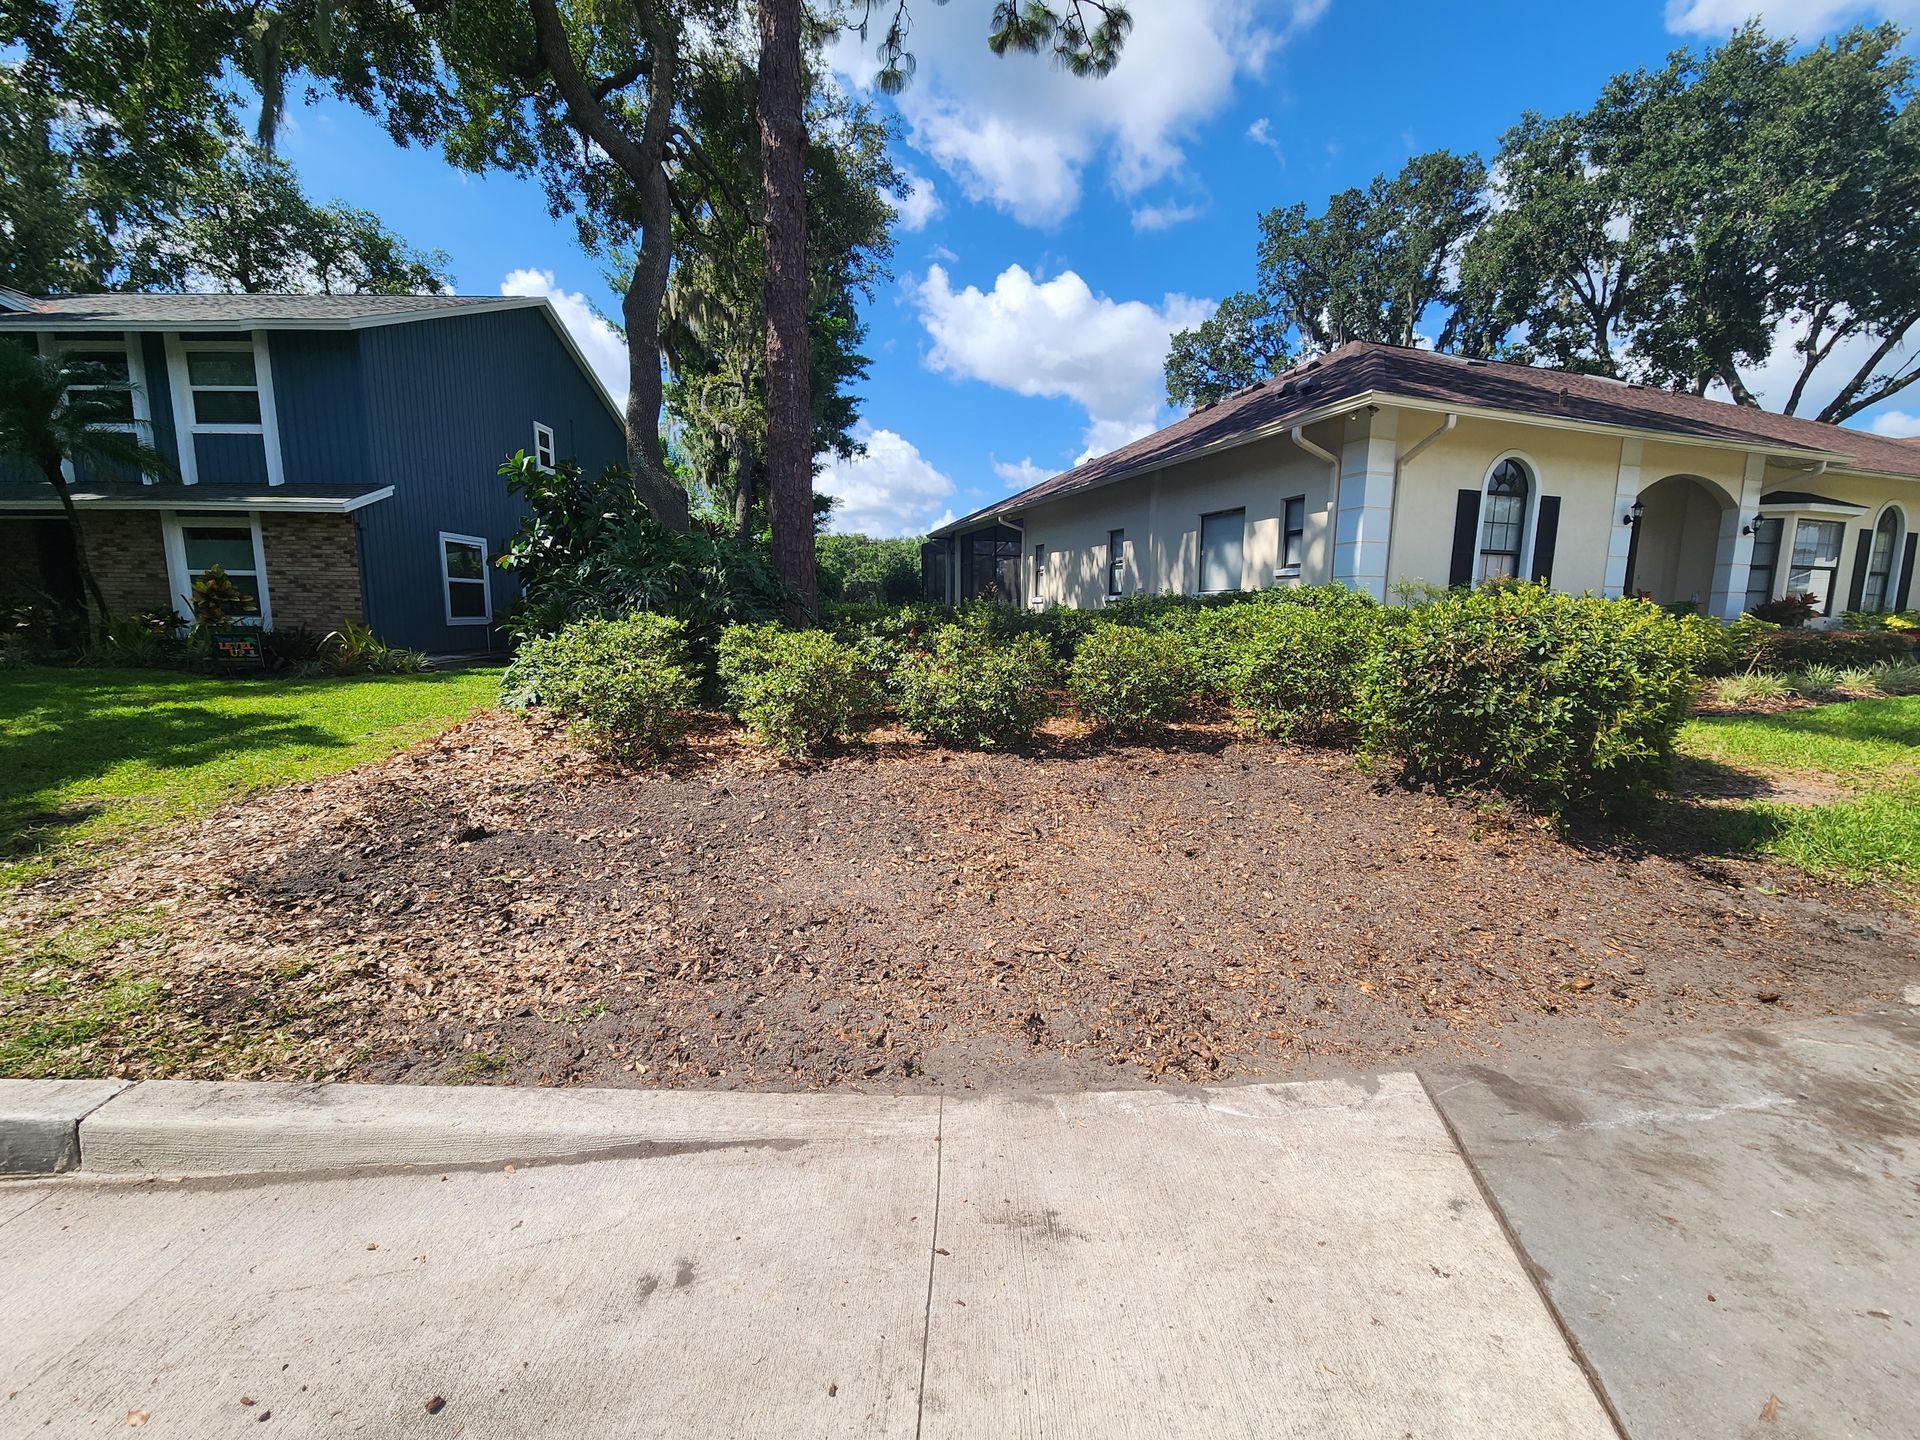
x=153 y=359
x=319 y=405
x=446 y=400
x=230 y=459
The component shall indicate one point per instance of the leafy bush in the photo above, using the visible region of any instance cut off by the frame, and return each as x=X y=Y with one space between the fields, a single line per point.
x=1792 y=610
x=795 y=689
x=624 y=683
x=1749 y=689
x=1130 y=681
x=967 y=692
x=588 y=547
x=1783 y=651
x=1858 y=680
x=1296 y=671
x=1563 y=702
x=354 y=649
x=1878 y=620
x=861 y=569
x=1897 y=677
x=1728 y=649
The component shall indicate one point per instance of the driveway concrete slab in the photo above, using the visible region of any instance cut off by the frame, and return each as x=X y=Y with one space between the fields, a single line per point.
x=198 y=1127
x=1728 y=1224
x=40 y=1122
x=1291 y=1260
x=724 y=1291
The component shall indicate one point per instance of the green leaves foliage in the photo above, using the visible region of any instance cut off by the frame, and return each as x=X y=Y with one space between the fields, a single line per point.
x=1296 y=670
x=1129 y=681
x=1562 y=702
x=972 y=694
x=797 y=690
x=625 y=684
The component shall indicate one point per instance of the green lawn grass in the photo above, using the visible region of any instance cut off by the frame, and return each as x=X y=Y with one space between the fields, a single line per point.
x=91 y=757
x=1869 y=747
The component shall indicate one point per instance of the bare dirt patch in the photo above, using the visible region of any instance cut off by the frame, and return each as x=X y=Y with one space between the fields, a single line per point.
x=492 y=906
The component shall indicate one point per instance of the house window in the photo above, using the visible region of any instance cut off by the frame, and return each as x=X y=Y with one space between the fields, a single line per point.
x=1882 y=556
x=1223 y=549
x=1116 y=563
x=1766 y=558
x=1503 y=520
x=1816 y=560
x=1293 y=535
x=463 y=573
x=229 y=543
x=110 y=381
x=543 y=451
x=1039 y=571
x=225 y=385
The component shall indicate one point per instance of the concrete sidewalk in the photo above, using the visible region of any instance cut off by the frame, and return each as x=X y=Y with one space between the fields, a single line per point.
x=1307 y=1260
x=1722 y=1229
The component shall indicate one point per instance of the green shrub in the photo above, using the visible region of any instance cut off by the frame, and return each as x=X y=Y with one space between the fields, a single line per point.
x=1814 y=680
x=969 y=693
x=1783 y=651
x=795 y=689
x=625 y=684
x=1748 y=689
x=1296 y=671
x=1897 y=677
x=355 y=650
x=1130 y=681
x=1858 y=681
x=1562 y=702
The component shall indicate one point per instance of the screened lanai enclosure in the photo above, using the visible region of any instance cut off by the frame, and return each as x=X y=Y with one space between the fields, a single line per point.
x=982 y=564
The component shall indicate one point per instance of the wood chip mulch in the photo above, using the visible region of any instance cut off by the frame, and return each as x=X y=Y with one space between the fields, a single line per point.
x=494 y=906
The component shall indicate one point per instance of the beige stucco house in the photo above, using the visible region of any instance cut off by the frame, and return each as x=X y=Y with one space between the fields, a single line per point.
x=1376 y=466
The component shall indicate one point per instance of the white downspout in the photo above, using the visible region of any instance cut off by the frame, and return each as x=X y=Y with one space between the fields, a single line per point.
x=1298 y=434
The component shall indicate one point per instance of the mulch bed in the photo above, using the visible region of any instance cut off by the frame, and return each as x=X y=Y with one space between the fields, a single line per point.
x=493 y=905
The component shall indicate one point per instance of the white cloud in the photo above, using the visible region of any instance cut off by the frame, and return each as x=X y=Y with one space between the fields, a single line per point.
x=1261 y=133
x=1163 y=217
x=1805 y=19
x=605 y=350
x=1021 y=134
x=1899 y=424
x=1057 y=338
x=917 y=204
x=891 y=490
x=1021 y=473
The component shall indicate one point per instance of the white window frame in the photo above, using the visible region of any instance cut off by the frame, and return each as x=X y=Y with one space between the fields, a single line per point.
x=447 y=581
x=1114 y=568
x=543 y=442
x=1528 y=517
x=1292 y=570
x=174 y=524
x=179 y=346
x=1900 y=532
x=55 y=345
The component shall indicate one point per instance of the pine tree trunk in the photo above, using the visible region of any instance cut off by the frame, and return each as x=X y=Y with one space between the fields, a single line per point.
x=783 y=146
x=50 y=467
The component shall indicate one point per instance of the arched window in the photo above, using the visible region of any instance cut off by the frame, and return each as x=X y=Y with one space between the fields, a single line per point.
x=1882 y=556
x=1503 y=520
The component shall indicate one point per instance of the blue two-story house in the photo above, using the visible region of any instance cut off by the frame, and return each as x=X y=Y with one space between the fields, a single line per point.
x=336 y=454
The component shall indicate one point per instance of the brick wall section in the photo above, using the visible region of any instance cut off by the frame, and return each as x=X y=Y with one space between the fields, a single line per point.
x=129 y=558
x=313 y=571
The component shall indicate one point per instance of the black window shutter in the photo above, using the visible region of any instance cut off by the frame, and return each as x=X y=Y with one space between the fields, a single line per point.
x=1904 y=589
x=1857 y=588
x=1546 y=534
x=1466 y=520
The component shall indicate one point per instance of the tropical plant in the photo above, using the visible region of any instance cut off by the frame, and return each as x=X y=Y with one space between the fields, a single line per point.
x=55 y=413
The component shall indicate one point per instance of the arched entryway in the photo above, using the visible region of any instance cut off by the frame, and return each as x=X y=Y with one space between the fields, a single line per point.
x=1677 y=539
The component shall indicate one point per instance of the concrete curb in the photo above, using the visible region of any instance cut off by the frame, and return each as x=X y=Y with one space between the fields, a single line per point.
x=190 y=1127
x=40 y=1122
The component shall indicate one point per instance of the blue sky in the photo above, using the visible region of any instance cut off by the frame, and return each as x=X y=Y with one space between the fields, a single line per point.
x=1061 y=228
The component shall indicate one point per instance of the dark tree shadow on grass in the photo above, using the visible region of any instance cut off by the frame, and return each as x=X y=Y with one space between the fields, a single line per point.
x=58 y=730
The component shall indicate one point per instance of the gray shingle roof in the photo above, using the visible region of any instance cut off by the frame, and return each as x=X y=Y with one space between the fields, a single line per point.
x=1422 y=376
x=241 y=310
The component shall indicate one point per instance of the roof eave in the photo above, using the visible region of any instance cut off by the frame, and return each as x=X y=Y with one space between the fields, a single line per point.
x=245 y=500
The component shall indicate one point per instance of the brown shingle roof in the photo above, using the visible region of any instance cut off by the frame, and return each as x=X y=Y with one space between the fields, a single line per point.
x=1421 y=376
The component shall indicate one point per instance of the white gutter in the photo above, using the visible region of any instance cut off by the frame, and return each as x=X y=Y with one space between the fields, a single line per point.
x=1406 y=456
x=241 y=500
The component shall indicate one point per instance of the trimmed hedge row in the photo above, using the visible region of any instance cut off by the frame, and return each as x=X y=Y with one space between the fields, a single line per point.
x=1564 y=703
